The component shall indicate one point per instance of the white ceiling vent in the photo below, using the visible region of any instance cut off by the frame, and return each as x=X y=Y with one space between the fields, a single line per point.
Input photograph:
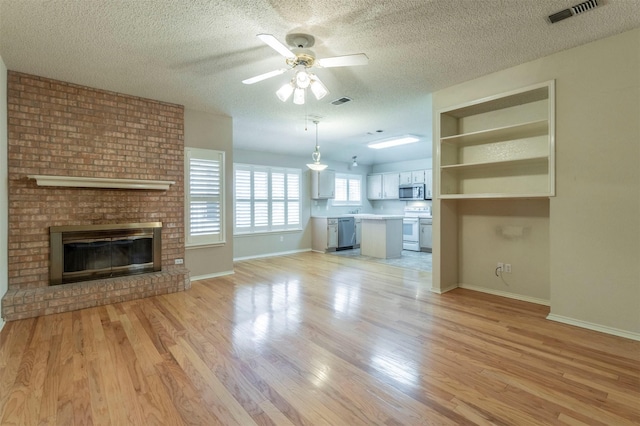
x=574 y=10
x=340 y=101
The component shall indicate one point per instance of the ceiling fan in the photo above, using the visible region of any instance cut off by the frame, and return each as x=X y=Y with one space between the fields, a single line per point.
x=301 y=59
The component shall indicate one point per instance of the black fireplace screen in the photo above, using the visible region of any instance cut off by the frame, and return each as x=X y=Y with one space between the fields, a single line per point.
x=80 y=253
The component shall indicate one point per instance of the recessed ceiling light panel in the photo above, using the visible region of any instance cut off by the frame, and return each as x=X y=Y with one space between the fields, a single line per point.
x=388 y=143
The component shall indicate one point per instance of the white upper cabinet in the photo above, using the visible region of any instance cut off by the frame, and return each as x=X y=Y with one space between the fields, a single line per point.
x=428 y=184
x=499 y=147
x=406 y=178
x=323 y=184
x=383 y=186
x=417 y=176
x=390 y=184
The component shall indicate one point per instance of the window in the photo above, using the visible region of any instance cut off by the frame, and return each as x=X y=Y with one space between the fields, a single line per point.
x=266 y=198
x=348 y=190
x=204 y=207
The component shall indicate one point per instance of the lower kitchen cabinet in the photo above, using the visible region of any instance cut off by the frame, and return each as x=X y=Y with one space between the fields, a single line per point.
x=324 y=234
x=426 y=236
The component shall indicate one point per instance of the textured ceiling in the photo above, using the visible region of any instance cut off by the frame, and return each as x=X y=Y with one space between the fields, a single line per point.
x=196 y=53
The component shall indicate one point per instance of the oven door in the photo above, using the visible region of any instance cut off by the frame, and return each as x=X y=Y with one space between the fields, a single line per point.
x=411 y=233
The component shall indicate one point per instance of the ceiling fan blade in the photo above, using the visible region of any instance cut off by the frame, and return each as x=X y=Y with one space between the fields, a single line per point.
x=344 y=61
x=276 y=45
x=265 y=76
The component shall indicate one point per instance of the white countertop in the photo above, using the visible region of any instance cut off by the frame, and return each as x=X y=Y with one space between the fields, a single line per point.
x=379 y=216
x=366 y=216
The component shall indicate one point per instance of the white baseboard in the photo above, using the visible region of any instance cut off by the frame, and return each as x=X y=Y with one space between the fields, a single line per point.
x=280 y=253
x=506 y=294
x=595 y=327
x=216 y=275
x=443 y=290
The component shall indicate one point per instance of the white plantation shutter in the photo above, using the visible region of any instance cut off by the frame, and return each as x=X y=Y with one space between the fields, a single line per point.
x=204 y=193
x=261 y=199
x=293 y=198
x=277 y=199
x=266 y=199
x=242 y=185
x=355 y=190
x=341 y=194
x=348 y=190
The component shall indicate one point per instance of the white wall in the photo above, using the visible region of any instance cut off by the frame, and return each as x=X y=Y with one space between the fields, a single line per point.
x=4 y=186
x=209 y=131
x=594 y=219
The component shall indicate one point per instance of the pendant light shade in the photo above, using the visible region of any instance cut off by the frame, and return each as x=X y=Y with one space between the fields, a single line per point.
x=355 y=161
x=316 y=165
x=319 y=90
x=285 y=92
x=298 y=96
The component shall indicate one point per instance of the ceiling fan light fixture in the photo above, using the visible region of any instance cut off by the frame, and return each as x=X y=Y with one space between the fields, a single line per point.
x=285 y=92
x=301 y=60
x=318 y=88
x=302 y=79
x=298 y=96
x=388 y=143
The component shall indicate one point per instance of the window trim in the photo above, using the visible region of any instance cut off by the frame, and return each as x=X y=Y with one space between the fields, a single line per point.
x=212 y=239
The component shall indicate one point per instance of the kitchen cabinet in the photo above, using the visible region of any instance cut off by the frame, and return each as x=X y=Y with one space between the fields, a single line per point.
x=426 y=235
x=358 y=227
x=414 y=176
x=383 y=186
x=323 y=184
x=390 y=184
x=374 y=187
x=417 y=176
x=428 y=184
x=499 y=147
x=324 y=234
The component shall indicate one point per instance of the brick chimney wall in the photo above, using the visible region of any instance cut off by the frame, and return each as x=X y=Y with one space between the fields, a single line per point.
x=62 y=129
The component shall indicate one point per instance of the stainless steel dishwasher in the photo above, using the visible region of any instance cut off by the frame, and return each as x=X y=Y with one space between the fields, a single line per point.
x=346 y=233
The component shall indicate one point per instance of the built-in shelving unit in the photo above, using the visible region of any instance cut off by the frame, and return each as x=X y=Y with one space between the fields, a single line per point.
x=499 y=147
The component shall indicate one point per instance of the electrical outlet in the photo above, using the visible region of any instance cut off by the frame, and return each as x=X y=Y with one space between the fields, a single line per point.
x=281 y=238
x=179 y=261
x=507 y=268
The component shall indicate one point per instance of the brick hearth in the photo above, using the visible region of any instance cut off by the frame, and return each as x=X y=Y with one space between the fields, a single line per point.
x=62 y=129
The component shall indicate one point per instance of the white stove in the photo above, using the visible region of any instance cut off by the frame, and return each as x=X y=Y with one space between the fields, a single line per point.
x=411 y=226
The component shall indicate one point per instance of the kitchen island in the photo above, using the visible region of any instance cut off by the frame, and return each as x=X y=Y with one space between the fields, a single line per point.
x=381 y=236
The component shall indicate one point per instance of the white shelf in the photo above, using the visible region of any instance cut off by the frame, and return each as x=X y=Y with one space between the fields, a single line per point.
x=495 y=195
x=88 y=182
x=491 y=164
x=516 y=131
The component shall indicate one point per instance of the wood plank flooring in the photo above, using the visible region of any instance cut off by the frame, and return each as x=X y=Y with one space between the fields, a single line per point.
x=311 y=339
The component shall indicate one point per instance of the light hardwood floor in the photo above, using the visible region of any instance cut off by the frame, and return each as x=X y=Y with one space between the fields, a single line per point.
x=311 y=339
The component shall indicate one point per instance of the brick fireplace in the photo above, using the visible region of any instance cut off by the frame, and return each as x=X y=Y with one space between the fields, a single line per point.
x=62 y=129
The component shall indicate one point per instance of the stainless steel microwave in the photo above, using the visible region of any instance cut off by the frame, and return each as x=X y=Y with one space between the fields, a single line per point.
x=411 y=191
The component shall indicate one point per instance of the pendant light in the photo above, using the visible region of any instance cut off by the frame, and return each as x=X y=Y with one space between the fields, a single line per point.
x=355 y=161
x=316 y=165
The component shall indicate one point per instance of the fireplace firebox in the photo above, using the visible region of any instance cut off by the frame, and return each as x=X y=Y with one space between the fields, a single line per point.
x=91 y=252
